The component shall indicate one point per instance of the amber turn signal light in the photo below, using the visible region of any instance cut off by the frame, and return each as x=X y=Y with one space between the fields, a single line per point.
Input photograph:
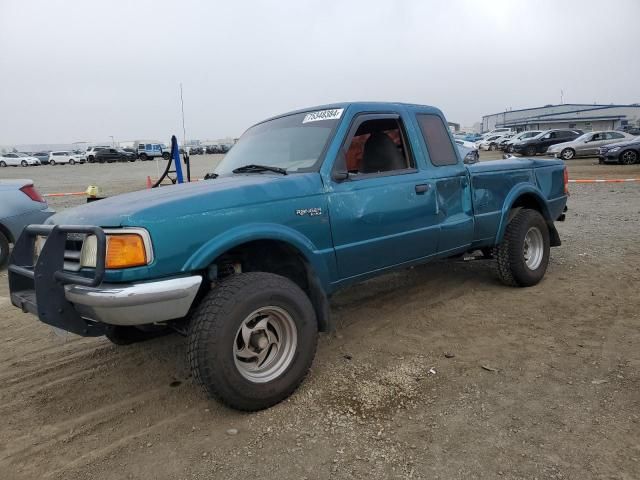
x=125 y=250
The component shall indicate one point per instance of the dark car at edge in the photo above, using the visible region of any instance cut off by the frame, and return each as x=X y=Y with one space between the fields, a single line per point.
x=541 y=142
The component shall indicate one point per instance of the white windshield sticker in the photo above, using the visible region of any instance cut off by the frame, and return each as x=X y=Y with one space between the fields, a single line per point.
x=333 y=114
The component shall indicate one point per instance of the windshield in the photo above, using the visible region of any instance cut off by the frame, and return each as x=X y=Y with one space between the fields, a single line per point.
x=295 y=143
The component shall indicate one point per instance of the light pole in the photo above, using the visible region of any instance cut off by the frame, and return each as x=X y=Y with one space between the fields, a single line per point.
x=113 y=141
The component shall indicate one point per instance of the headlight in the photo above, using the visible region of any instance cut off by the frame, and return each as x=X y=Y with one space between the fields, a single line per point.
x=127 y=247
x=615 y=149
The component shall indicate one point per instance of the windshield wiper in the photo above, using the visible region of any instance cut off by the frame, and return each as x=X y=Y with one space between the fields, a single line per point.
x=259 y=168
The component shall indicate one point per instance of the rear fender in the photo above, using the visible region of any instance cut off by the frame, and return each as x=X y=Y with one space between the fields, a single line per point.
x=526 y=196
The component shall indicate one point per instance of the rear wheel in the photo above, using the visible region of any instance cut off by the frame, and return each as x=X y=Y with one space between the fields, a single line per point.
x=52 y=162
x=143 y=156
x=492 y=147
x=252 y=340
x=91 y=159
x=523 y=254
x=4 y=249
x=530 y=151
x=166 y=155
x=72 y=162
x=628 y=157
x=567 y=154
x=3 y=163
x=24 y=163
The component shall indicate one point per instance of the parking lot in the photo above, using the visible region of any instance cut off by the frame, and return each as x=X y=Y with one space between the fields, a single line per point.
x=536 y=383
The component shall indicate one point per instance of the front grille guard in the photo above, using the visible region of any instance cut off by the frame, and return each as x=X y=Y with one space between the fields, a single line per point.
x=39 y=288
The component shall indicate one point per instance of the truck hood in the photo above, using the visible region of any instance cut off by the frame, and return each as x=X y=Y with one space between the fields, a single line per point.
x=144 y=207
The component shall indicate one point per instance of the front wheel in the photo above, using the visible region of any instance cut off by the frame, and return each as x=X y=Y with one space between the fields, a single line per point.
x=628 y=158
x=72 y=162
x=3 y=163
x=52 y=162
x=523 y=254
x=24 y=163
x=567 y=154
x=252 y=340
x=166 y=155
x=530 y=151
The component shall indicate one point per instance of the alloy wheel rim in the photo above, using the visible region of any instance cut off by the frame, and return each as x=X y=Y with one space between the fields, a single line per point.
x=533 y=249
x=265 y=344
x=567 y=155
x=628 y=158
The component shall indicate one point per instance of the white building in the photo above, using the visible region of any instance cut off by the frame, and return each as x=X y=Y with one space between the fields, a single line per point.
x=570 y=115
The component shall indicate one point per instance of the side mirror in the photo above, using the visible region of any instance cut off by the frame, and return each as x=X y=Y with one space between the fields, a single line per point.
x=340 y=172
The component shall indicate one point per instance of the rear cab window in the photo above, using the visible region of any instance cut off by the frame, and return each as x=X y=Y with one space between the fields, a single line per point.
x=436 y=138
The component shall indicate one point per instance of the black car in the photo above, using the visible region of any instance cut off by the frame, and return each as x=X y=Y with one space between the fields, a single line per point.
x=540 y=143
x=626 y=153
x=111 y=155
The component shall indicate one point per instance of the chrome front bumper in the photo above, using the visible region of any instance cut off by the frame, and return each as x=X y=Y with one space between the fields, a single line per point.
x=135 y=303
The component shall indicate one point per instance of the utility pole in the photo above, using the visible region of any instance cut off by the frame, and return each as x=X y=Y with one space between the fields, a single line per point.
x=184 y=132
x=561 y=97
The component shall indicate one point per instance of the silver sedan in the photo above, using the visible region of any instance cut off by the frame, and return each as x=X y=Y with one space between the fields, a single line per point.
x=587 y=144
x=20 y=205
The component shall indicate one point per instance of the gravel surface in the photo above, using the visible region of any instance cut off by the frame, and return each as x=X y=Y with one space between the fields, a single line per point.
x=434 y=372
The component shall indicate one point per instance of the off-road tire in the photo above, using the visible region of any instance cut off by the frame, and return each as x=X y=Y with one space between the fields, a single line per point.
x=512 y=267
x=4 y=250
x=214 y=327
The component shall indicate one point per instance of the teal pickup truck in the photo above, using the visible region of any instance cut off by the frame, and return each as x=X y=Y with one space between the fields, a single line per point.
x=305 y=203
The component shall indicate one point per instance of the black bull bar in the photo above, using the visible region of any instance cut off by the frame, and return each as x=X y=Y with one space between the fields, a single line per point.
x=37 y=286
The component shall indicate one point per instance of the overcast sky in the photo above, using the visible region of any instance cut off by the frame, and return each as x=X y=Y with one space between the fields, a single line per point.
x=83 y=70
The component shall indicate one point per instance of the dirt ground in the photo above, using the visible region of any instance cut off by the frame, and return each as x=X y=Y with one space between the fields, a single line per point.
x=543 y=382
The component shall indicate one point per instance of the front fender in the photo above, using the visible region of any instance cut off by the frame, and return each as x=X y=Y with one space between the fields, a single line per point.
x=513 y=196
x=207 y=253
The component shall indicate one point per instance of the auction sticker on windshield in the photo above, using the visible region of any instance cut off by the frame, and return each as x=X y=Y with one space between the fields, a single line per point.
x=333 y=114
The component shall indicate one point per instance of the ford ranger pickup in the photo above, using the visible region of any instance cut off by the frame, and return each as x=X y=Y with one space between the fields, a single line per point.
x=306 y=203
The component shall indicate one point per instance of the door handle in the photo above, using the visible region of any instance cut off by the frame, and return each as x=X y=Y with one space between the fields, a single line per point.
x=422 y=188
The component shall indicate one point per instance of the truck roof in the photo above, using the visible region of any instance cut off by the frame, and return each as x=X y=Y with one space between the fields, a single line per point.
x=361 y=105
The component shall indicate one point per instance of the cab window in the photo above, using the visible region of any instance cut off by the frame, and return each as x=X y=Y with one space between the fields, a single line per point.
x=436 y=138
x=378 y=146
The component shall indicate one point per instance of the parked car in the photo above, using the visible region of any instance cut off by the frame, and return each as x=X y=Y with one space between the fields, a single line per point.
x=497 y=131
x=20 y=205
x=519 y=137
x=111 y=155
x=489 y=143
x=261 y=246
x=65 y=156
x=587 y=144
x=630 y=129
x=17 y=160
x=149 y=151
x=626 y=153
x=90 y=154
x=468 y=151
x=43 y=157
x=472 y=137
x=540 y=143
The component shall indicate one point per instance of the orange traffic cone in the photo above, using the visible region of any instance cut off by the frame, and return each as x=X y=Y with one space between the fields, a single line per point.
x=149 y=184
